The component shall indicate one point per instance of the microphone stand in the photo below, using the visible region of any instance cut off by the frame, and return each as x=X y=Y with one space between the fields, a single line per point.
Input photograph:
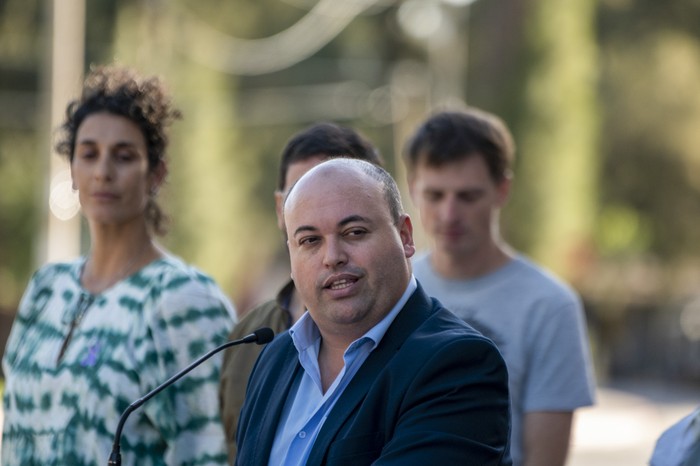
x=261 y=336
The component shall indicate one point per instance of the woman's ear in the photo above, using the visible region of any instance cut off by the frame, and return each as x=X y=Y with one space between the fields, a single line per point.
x=157 y=176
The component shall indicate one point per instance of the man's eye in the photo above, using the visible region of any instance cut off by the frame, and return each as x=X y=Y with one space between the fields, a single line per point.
x=432 y=196
x=470 y=196
x=356 y=232
x=307 y=241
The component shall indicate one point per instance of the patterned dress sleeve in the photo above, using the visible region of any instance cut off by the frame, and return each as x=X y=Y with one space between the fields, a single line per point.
x=190 y=317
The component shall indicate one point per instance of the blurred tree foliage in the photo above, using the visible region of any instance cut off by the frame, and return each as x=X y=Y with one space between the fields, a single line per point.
x=628 y=126
x=20 y=57
x=556 y=184
x=603 y=98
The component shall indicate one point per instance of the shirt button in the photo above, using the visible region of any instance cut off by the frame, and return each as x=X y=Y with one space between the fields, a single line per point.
x=302 y=434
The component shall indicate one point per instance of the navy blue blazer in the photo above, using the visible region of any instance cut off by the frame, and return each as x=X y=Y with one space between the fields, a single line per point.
x=434 y=390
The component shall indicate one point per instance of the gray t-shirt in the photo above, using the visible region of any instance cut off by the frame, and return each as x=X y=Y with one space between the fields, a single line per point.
x=537 y=322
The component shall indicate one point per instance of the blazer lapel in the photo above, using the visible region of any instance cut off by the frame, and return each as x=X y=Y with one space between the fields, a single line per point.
x=414 y=313
x=286 y=369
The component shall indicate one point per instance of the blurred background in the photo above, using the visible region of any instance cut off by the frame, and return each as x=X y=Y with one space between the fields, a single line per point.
x=603 y=98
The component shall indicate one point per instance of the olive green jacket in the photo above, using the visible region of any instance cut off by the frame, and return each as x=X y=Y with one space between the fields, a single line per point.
x=238 y=362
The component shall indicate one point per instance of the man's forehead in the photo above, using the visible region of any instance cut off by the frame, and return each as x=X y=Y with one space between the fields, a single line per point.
x=324 y=178
x=331 y=199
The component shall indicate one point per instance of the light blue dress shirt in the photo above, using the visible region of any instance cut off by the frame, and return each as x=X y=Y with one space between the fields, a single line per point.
x=307 y=407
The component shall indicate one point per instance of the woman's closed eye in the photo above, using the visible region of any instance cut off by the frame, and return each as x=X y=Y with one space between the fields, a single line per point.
x=125 y=156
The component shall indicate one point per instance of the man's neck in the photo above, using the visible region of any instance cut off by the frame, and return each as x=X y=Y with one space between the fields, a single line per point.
x=296 y=306
x=330 y=363
x=466 y=267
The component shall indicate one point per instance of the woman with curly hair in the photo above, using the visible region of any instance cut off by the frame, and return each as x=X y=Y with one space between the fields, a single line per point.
x=95 y=334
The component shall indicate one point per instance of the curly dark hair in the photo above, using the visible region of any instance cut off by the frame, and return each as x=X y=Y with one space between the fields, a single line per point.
x=124 y=92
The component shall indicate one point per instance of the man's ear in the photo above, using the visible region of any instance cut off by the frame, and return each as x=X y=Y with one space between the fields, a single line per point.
x=504 y=187
x=279 y=209
x=406 y=233
x=411 y=182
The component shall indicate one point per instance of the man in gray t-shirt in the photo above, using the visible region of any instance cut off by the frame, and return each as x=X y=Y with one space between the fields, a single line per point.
x=459 y=175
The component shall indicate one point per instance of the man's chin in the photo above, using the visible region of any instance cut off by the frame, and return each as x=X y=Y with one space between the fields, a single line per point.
x=452 y=247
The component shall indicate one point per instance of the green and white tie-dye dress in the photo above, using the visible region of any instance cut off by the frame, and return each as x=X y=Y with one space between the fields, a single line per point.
x=66 y=389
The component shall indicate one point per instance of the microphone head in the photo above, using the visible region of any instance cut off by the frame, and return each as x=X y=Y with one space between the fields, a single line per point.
x=264 y=335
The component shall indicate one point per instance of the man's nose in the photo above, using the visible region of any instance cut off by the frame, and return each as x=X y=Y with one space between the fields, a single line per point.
x=449 y=210
x=335 y=253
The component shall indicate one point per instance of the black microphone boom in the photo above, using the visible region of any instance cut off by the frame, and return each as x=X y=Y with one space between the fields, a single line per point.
x=261 y=336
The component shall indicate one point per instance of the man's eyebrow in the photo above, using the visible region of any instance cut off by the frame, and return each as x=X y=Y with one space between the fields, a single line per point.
x=304 y=228
x=341 y=223
x=352 y=219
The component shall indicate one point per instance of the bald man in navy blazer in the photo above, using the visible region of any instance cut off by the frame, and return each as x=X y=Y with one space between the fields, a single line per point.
x=375 y=372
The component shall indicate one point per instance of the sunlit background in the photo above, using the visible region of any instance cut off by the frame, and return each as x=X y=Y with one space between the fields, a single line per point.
x=603 y=99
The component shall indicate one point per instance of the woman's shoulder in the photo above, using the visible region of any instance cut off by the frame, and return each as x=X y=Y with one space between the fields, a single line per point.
x=171 y=273
x=181 y=285
x=52 y=271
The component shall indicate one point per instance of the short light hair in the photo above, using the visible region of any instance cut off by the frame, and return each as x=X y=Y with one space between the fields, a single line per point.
x=451 y=136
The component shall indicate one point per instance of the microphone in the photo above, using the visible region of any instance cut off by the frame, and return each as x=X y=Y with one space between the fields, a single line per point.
x=261 y=336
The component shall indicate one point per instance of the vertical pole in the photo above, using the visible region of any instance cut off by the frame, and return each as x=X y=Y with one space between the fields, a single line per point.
x=61 y=235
